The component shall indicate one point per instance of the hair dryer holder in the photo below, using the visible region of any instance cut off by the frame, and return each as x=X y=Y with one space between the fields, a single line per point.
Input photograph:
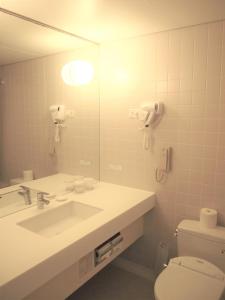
x=150 y=113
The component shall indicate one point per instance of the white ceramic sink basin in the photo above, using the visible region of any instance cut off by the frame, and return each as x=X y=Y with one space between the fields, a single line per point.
x=55 y=221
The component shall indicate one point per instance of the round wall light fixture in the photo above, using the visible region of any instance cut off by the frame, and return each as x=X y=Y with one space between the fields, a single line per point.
x=77 y=72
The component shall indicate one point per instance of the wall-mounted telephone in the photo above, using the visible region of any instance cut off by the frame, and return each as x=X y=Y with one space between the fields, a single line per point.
x=165 y=164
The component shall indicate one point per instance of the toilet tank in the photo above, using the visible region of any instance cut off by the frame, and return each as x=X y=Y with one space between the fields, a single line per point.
x=195 y=240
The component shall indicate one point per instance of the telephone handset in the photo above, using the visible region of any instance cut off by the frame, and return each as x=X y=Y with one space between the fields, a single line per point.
x=164 y=165
x=166 y=159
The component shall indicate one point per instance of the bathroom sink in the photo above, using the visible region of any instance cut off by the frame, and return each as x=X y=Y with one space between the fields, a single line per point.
x=55 y=221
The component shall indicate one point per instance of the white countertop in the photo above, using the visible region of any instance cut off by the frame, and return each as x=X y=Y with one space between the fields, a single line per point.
x=26 y=257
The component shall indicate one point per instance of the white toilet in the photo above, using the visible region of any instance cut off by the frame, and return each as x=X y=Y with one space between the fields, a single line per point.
x=198 y=272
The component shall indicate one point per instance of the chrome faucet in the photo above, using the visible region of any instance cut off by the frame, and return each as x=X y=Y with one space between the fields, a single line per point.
x=25 y=192
x=41 y=201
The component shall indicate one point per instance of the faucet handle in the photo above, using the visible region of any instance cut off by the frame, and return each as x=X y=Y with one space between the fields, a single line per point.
x=42 y=194
x=41 y=201
x=25 y=188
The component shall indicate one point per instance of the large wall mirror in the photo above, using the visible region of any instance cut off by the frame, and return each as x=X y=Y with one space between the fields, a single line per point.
x=33 y=88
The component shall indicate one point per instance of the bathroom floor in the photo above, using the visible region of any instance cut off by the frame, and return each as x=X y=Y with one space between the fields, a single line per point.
x=113 y=283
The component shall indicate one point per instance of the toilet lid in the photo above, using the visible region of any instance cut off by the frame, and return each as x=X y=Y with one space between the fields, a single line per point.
x=188 y=278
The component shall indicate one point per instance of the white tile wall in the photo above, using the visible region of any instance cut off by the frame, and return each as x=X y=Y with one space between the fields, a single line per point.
x=185 y=68
x=30 y=88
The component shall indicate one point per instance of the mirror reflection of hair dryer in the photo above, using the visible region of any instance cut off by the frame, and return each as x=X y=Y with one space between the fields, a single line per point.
x=58 y=117
x=58 y=113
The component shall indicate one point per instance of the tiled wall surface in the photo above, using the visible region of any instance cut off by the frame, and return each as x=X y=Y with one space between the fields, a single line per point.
x=27 y=129
x=185 y=69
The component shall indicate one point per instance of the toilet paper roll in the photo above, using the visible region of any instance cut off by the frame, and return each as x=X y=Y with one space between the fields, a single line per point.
x=28 y=175
x=208 y=217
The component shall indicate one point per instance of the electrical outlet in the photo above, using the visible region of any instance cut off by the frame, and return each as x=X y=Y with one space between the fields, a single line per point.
x=85 y=163
x=114 y=167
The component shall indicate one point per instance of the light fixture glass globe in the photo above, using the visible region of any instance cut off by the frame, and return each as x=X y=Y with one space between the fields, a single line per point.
x=77 y=72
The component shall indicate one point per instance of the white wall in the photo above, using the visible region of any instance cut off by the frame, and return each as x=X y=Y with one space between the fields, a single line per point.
x=185 y=69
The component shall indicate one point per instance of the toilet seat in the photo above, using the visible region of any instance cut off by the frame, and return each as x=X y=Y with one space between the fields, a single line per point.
x=188 y=278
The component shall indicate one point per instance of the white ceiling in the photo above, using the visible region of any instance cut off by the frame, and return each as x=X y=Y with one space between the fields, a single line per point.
x=96 y=20
x=21 y=40
x=103 y=20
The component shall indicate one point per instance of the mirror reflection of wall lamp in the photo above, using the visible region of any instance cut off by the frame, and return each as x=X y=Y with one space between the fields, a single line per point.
x=77 y=72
